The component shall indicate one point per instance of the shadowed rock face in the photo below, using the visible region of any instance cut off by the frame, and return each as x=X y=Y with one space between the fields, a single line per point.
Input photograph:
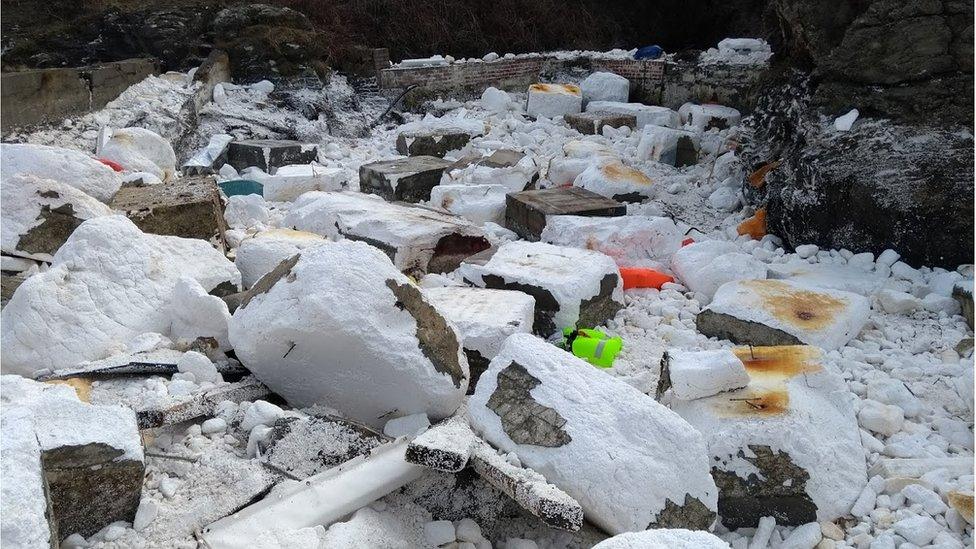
x=524 y=420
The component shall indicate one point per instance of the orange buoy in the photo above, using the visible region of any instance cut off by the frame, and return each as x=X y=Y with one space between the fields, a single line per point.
x=755 y=226
x=642 y=277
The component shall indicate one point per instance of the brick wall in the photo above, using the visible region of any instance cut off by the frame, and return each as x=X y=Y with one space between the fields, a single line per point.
x=652 y=82
x=30 y=97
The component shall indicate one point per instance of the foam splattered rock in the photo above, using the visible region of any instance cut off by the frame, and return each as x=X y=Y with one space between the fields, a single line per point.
x=38 y=215
x=408 y=179
x=706 y=117
x=668 y=145
x=778 y=312
x=605 y=86
x=339 y=325
x=787 y=445
x=557 y=412
x=108 y=283
x=571 y=286
x=417 y=239
x=66 y=166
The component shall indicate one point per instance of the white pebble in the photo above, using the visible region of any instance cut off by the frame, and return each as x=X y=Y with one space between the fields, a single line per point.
x=468 y=530
x=439 y=532
x=260 y=412
x=213 y=425
x=199 y=365
x=929 y=500
x=168 y=487
x=918 y=529
x=145 y=514
x=803 y=537
x=807 y=250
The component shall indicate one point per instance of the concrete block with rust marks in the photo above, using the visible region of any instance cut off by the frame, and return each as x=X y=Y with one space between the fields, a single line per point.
x=188 y=207
x=786 y=445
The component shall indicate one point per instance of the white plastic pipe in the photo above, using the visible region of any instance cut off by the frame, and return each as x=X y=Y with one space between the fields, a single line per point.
x=320 y=499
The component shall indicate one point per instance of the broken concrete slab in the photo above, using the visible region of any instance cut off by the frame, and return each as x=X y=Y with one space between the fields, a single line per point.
x=307 y=445
x=188 y=207
x=644 y=114
x=161 y=362
x=269 y=154
x=417 y=239
x=592 y=123
x=826 y=275
x=38 y=215
x=706 y=117
x=529 y=489
x=555 y=411
x=552 y=100
x=614 y=179
x=484 y=319
x=676 y=147
x=200 y=404
x=698 y=374
x=571 y=286
x=777 y=312
x=630 y=240
x=90 y=457
x=431 y=142
x=787 y=445
x=385 y=339
x=291 y=181
x=408 y=179
x=446 y=446
x=527 y=212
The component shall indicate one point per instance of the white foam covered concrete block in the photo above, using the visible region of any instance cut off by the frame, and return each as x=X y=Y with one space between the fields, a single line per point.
x=645 y=114
x=555 y=412
x=614 y=179
x=676 y=147
x=706 y=117
x=605 y=86
x=787 y=444
x=630 y=240
x=476 y=203
x=65 y=166
x=703 y=267
x=258 y=255
x=37 y=215
x=290 y=182
x=829 y=275
x=698 y=374
x=109 y=283
x=552 y=100
x=776 y=312
x=339 y=325
x=483 y=317
x=571 y=286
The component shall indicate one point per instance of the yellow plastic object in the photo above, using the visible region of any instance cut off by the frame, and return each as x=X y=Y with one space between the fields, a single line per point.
x=592 y=346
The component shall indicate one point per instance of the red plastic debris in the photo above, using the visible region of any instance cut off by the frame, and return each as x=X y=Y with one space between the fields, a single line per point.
x=687 y=241
x=111 y=164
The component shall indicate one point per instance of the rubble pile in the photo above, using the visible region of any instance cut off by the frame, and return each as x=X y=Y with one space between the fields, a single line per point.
x=537 y=319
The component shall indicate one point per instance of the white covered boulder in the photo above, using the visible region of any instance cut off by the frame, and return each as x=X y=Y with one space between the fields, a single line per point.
x=552 y=100
x=195 y=314
x=138 y=150
x=629 y=240
x=704 y=266
x=38 y=215
x=706 y=117
x=571 y=286
x=70 y=167
x=778 y=312
x=108 y=283
x=614 y=179
x=644 y=114
x=339 y=325
x=290 y=182
x=676 y=147
x=631 y=463
x=605 y=86
x=260 y=254
x=787 y=445
x=476 y=203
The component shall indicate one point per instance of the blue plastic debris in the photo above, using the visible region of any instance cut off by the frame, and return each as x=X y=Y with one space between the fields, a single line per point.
x=649 y=52
x=239 y=187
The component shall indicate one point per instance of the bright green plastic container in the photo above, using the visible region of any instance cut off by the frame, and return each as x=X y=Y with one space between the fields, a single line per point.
x=593 y=346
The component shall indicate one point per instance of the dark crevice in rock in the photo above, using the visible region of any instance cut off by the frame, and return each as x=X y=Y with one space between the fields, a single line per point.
x=524 y=420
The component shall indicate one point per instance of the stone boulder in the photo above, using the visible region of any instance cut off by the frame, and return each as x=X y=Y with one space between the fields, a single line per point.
x=557 y=413
x=108 y=283
x=270 y=43
x=70 y=167
x=339 y=325
x=38 y=215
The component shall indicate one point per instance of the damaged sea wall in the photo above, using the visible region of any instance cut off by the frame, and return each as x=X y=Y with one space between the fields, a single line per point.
x=33 y=96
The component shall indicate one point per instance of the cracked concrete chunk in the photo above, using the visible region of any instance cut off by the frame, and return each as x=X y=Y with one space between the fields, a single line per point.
x=786 y=445
x=189 y=207
x=307 y=445
x=430 y=142
x=408 y=179
x=527 y=212
x=556 y=412
x=341 y=327
x=779 y=312
x=269 y=154
x=524 y=420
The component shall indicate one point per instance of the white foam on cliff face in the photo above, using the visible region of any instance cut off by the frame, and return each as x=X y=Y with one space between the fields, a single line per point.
x=23 y=198
x=331 y=331
x=608 y=466
x=631 y=240
x=836 y=316
x=108 y=283
x=571 y=275
x=70 y=167
x=665 y=538
x=259 y=254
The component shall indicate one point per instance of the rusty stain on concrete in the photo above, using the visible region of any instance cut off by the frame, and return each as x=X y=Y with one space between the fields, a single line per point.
x=769 y=369
x=615 y=171
x=805 y=309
